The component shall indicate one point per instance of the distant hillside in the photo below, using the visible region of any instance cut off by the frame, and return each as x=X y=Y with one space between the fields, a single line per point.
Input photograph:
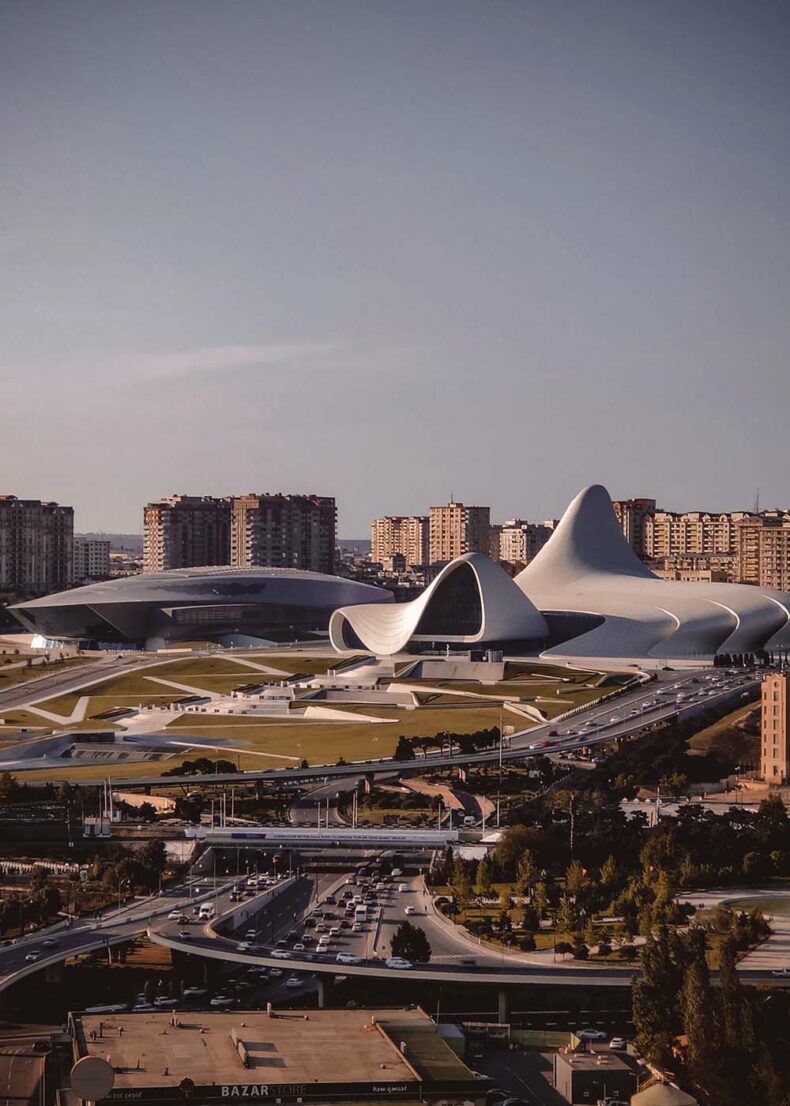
x=131 y=542
x=360 y=545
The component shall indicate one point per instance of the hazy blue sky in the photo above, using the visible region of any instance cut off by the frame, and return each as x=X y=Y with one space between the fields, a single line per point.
x=390 y=250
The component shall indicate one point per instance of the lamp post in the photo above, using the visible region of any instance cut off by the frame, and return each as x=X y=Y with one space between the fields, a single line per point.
x=120 y=885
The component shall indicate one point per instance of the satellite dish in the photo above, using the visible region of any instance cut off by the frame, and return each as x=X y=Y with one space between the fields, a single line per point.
x=92 y=1078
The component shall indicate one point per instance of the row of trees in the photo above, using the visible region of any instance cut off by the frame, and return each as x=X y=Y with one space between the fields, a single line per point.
x=726 y=1043
x=473 y=742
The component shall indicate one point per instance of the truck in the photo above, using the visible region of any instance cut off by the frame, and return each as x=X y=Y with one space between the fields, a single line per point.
x=206 y=911
x=360 y=913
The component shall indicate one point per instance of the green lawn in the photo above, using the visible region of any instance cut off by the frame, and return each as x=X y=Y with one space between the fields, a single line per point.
x=12 y=676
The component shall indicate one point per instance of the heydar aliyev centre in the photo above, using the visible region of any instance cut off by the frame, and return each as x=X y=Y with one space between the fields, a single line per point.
x=585 y=596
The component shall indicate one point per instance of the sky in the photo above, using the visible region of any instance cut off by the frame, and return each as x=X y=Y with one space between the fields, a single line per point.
x=392 y=252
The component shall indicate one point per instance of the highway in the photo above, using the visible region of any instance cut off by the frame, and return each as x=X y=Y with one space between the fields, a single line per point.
x=650 y=703
x=26 y=955
x=457 y=958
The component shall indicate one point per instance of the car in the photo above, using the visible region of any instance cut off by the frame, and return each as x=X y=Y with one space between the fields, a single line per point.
x=49 y=943
x=781 y=973
x=32 y=957
x=244 y=946
x=620 y=1044
x=345 y=924
x=330 y=899
x=399 y=962
x=410 y=910
x=357 y=927
x=194 y=992
x=348 y=958
x=184 y=934
x=403 y=887
x=293 y=981
x=299 y=946
x=184 y=919
x=275 y=973
x=334 y=931
x=322 y=927
x=250 y=935
x=591 y=1034
x=174 y=915
x=397 y=872
x=165 y=1003
x=222 y=1001
x=140 y=1007
x=280 y=954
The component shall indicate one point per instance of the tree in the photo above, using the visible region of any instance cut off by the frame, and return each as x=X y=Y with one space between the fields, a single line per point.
x=540 y=899
x=410 y=942
x=526 y=873
x=404 y=750
x=460 y=883
x=567 y=916
x=483 y=877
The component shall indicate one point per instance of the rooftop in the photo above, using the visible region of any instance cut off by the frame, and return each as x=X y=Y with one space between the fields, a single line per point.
x=302 y=1047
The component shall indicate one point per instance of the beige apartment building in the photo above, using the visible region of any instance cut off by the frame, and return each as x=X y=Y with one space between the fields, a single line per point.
x=520 y=541
x=763 y=551
x=404 y=535
x=455 y=529
x=186 y=531
x=774 y=728
x=671 y=534
x=91 y=559
x=36 y=546
x=632 y=514
x=713 y=568
x=284 y=531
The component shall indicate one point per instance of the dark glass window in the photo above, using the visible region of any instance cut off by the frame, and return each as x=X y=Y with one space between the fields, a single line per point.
x=455 y=606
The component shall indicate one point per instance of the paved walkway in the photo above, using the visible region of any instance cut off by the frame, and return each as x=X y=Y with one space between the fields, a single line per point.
x=772 y=954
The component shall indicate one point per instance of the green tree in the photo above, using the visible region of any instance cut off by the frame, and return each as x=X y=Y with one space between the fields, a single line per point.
x=483 y=877
x=410 y=942
x=526 y=873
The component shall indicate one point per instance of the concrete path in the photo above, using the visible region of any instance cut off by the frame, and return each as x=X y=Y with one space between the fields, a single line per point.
x=77 y=715
x=774 y=953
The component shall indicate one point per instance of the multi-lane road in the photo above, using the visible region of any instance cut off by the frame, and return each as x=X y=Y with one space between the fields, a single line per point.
x=674 y=694
x=283 y=936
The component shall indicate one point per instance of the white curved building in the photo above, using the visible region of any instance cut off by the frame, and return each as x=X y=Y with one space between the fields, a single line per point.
x=471 y=602
x=587 y=572
x=586 y=596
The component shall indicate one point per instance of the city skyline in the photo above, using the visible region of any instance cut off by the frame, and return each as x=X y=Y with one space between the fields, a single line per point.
x=357 y=250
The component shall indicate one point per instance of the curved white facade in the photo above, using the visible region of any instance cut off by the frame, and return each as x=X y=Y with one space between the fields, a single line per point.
x=585 y=596
x=471 y=601
x=587 y=567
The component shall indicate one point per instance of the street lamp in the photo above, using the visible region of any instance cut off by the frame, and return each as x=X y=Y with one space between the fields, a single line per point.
x=120 y=885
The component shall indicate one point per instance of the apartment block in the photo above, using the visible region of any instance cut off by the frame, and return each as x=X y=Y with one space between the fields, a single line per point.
x=774 y=728
x=633 y=514
x=521 y=541
x=91 y=559
x=714 y=568
x=672 y=534
x=284 y=531
x=762 y=551
x=186 y=531
x=400 y=535
x=36 y=546
x=455 y=529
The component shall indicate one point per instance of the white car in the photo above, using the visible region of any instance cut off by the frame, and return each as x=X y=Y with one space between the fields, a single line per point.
x=591 y=1034
x=293 y=981
x=781 y=973
x=174 y=916
x=410 y=910
x=398 y=962
x=403 y=887
x=348 y=958
x=334 y=931
x=275 y=973
x=243 y=946
x=619 y=1044
x=280 y=954
x=222 y=1001
x=32 y=957
x=299 y=946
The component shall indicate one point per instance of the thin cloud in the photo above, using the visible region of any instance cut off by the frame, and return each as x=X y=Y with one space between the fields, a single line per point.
x=208 y=360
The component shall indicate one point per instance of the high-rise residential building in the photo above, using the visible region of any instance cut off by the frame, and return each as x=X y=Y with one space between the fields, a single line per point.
x=762 y=551
x=186 y=531
x=520 y=541
x=400 y=534
x=36 y=546
x=284 y=531
x=456 y=529
x=689 y=533
x=632 y=514
x=91 y=559
x=775 y=728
